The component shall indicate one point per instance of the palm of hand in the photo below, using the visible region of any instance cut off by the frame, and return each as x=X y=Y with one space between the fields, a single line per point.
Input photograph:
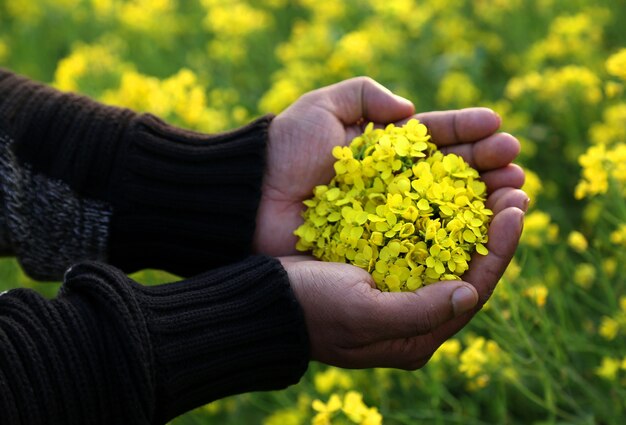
x=351 y=323
x=302 y=137
x=299 y=151
x=299 y=158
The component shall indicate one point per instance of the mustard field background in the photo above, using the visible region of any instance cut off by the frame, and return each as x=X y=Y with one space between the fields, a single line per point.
x=550 y=347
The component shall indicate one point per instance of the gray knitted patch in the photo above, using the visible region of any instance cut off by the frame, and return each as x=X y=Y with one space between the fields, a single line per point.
x=44 y=223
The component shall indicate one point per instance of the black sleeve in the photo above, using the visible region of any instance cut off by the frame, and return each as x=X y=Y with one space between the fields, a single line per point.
x=84 y=181
x=110 y=351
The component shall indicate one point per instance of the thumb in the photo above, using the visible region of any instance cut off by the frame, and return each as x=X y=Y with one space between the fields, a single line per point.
x=362 y=97
x=285 y=261
x=409 y=314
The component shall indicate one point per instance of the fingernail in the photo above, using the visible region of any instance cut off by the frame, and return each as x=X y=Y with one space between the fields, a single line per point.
x=463 y=300
x=526 y=204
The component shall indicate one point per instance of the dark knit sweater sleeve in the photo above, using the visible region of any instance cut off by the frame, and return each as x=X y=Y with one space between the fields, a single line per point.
x=110 y=351
x=85 y=181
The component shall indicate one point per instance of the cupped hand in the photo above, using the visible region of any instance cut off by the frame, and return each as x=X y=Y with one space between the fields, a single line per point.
x=352 y=324
x=302 y=137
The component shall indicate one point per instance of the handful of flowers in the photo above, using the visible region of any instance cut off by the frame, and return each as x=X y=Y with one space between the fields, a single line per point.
x=398 y=208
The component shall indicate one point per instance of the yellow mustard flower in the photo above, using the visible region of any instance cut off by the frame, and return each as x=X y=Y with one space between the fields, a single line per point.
x=398 y=208
x=611 y=129
x=618 y=236
x=577 y=241
x=29 y=12
x=613 y=90
x=153 y=16
x=595 y=177
x=180 y=98
x=584 y=275
x=574 y=37
x=325 y=411
x=609 y=266
x=457 y=90
x=609 y=368
x=285 y=417
x=600 y=166
x=448 y=351
x=616 y=64
x=350 y=407
x=356 y=410
x=330 y=379
x=537 y=293
x=538 y=229
x=609 y=328
x=481 y=359
x=325 y=10
x=558 y=86
x=89 y=66
x=233 y=18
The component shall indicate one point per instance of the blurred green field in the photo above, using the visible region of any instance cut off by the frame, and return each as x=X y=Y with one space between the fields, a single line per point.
x=550 y=348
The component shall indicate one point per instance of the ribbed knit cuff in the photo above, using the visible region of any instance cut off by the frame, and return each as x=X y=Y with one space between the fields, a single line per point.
x=185 y=201
x=233 y=330
x=63 y=136
x=179 y=200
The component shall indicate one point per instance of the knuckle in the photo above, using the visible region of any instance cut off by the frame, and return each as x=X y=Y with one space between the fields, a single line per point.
x=415 y=364
x=409 y=354
x=486 y=295
x=426 y=317
x=364 y=79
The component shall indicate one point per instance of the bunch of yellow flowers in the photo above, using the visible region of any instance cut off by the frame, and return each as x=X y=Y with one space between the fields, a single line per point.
x=398 y=208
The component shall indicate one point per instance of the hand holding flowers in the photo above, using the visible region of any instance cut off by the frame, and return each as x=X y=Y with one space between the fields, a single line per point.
x=351 y=323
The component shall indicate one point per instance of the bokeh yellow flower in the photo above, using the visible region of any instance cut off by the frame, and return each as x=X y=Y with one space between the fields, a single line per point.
x=456 y=90
x=602 y=165
x=609 y=328
x=537 y=293
x=449 y=350
x=350 y=407
x=615 y=324
x=481 y=359
x=577 y=241
x=584 y=275
x=609 y=368
x=539 y=229
x=332 y=378
x=618 y=236
x=616 y=64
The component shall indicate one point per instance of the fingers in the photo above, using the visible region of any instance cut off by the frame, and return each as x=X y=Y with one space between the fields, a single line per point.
x=507 y=197
x=285 y=261
x=504 y=233
x=461 y=126
x=408 y=314
x=361 y=97
x=486 y=271
x=490 y=153
x=511 y=175
x=404 y=353
x=398 y=330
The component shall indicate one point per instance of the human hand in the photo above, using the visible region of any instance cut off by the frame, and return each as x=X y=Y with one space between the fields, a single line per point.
x=354 y=325
x=302 y=137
